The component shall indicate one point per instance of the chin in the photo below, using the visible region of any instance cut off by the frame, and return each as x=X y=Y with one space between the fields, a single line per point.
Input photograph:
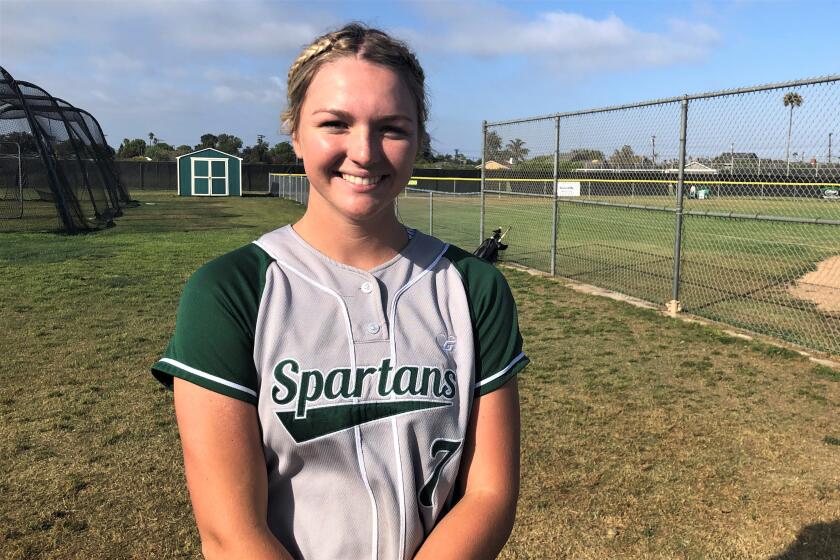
x=365 y=212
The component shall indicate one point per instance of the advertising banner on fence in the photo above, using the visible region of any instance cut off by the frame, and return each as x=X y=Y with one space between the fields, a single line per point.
x=831 y=192
x=568 y=188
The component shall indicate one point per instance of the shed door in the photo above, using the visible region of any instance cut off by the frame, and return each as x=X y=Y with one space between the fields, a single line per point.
x=210 y=176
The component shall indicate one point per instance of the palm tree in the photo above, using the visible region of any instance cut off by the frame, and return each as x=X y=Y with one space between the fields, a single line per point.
x=791 y=99
x=517 y=150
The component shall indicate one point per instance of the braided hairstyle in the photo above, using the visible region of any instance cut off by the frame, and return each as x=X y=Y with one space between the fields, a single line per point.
x=366 y=43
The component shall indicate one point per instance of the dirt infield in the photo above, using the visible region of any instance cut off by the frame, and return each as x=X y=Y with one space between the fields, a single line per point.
x=822 y=286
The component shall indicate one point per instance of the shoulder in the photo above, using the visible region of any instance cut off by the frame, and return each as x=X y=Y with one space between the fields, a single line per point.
x=235 y=266
x=239 y=271
x=229 y=286
x=483 y=282
x=498 y=342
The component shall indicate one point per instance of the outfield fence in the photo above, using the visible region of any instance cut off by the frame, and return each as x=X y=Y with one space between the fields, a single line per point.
x=725 y=205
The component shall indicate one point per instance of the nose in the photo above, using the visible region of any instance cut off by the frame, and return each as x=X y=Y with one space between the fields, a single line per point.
x=363 y=147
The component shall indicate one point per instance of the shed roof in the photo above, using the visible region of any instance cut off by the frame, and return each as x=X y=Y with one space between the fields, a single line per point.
x=203 y=149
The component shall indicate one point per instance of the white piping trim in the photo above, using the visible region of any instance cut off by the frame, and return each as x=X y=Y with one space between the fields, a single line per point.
x=501 y=373
x=400 y=485
x=374 y=537
x=393 y=312
x=393 y=345
x=208 y=376
x=356 y=431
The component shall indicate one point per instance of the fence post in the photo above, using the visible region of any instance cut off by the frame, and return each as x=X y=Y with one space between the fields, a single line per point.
x=483 y=172
x=555 y=176
x=431 y=212
x=674 y=304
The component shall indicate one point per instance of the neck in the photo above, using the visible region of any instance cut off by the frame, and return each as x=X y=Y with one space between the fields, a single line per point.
x=364 y=245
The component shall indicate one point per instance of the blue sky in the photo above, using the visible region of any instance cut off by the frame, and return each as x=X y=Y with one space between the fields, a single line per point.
x=182 y=68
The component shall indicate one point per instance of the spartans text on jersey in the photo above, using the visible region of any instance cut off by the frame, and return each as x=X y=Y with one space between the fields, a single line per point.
x=302 y=387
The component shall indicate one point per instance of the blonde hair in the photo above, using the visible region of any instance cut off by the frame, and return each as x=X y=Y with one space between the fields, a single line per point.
x=366 y=43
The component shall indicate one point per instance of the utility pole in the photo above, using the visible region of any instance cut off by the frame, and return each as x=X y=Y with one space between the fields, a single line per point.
x=653 y=149
x=732 y=157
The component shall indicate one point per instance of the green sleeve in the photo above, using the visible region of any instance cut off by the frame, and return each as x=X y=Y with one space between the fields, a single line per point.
x=213 y=344
x=498 y=342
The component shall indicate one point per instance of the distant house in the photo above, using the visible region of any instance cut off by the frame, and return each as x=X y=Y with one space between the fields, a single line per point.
x=493 y=165
x=694 y=167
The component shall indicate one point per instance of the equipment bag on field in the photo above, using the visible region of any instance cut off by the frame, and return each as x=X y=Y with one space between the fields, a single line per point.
x=490 y=247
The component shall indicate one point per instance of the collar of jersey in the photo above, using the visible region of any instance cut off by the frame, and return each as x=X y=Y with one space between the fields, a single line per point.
x=412 y=236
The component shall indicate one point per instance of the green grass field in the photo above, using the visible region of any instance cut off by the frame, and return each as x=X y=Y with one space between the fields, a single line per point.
x=643 y=437
x=733 y=270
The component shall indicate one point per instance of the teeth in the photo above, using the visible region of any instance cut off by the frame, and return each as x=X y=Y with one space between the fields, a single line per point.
x=360 y=180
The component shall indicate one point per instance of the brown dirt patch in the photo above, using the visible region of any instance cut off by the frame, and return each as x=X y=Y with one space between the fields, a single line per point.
x=822 y=286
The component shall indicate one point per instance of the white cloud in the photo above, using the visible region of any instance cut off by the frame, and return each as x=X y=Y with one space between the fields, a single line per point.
x=224 y=94
x=117 y=62
x=565 y=40
x=232 y=86
x=253 y=36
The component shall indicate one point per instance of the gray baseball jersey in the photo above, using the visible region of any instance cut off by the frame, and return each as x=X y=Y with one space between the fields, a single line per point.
x=364 y=381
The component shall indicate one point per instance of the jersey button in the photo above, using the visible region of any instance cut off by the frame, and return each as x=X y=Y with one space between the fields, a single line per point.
x=366 y=288
x=372 y=328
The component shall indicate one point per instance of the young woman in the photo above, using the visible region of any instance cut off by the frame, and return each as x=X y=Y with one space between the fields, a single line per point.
x=345 y=387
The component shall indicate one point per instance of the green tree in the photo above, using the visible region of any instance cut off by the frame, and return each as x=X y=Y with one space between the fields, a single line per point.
x=425 y=154
x=586 y=155
x=625 y=157
x=160 y=151
x=493 y=146
x=131 y=148
x=791 y=99
x=229 y=144
x=282 y=152
x=25 y=140
x=207 y=141
x=258 y=153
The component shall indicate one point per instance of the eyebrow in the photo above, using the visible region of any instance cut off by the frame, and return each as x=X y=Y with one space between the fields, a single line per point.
x=347 y=116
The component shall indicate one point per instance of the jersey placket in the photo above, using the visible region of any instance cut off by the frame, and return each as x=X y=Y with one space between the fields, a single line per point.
x=366 y=306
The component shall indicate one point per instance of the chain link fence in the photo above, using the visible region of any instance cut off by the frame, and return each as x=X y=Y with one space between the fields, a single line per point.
x=725 y=205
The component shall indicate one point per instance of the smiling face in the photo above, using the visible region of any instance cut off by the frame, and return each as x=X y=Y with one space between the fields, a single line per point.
x=357 y=135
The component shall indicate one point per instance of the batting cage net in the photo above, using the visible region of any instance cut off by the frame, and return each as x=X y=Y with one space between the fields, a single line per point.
x=56 y=170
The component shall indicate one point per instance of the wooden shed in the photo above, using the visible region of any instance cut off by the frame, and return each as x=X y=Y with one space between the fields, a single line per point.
x=209 y=172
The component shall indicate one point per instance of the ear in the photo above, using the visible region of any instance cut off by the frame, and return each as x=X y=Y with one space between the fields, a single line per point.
x=296 y=144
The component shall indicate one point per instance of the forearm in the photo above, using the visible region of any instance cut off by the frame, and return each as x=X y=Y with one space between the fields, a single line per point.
x=259 y=544
x=476 y=528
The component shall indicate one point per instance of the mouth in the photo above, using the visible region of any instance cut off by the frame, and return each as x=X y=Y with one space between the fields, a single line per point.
x=368 y=181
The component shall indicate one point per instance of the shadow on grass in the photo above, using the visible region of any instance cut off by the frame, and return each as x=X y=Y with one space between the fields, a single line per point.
x=820 y=541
